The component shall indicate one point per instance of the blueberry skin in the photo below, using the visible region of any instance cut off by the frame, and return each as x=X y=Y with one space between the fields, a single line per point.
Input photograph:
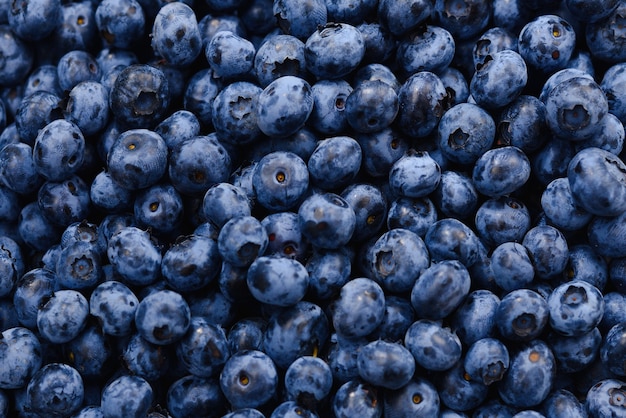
x=244 y=413
x=90 y=411
x=487 y=359
x=107 y=195
x=559 y=77
x=31 y=290
x=386 y=364
x=291 y=409
x=127 y=395
x=163 y=317
x=370 y=207
x=284 y=106
x=475 y=318
x=134 y=256
x=397 y=259
x=440 y=289
x=284 y=236
x=576 y=307
x=605 y=235
x=548 y=249
x=458 y=393
x=380 y=150
x=19 y=58
x=414 y=175
x=246 y=334
x=562 y=403
x=175 y=34
x=90 y=352
x=64 y=202
x=346 y=11
x=230 y=56
x=417 y=398
x=342 y=357
x=77 y=66
x=35 y=229
x=500 y=80
x=492 y=179
x=547 y=43
x=456 y=85
x=159 y=207
x=277 y=281
x=88 y=107
x=432 y=346
x=371 y=106
x=465 y=132
x=249 y=379
x=560 y=208
x=234 y=113
x=512 y=266
x=604 y=399
x=34 y=113
x=613 y=310
x=79 y=266
x=359 y=309
x=279 y=55
x=463 y=22
x=425 y=48
x=34 y=20
x=575 y=108
x=552 y=160
x=241 y=240
x=329 y=115
x=574 y=354
x=197 y=164
x=523 y=124
x=192 y=396
x=612 y=85
x=335 y=162
x=308 y=381
x=191 y=349
x=140 y=96
x=63 y=316
x=586 y=265
x=120 y=22
x=522 y=315
x=177 y=128
x=326 y=220
x=202 y=88
x=357 y=398
x=55 y=390
x=530 y=377
x=604 y=35
x=422 y=100
x=604 y=192
x=416 y=215
x=451 y=239
x=21 y=357
x=18 y=171
x=380 y=44
x=298 y=19
x=328 y=271
x=191 y=263
x=493 y=40
x=455 y=195
x=591 y=11
x=114 y=305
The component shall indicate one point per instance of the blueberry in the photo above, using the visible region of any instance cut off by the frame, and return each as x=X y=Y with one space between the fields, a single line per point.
x=386 y=364
x=548 y=250
x=414 y=175
x=90 y=352
x=230 y=56
x=88 y=107
x=522 y=315
x=563 y=403
x=62 y=317
x=512 y=266
x=547 y=43
x=35 y=229
x=475 y=318
x=460 y=392
x=297 y=19
x=21 y=357
x=326 y=220
x=291 y=409
x=359 y=309
x=55 y=390
x=159 y=207
x=604 y=35
x=178 y=127
x=193 y=396
x=276 y=280
x=284 y=106
x=380 y=150
x=560 y=208
x=491 y=179
x=308 y=381
x=244 y=413
x=432 y=346
x=234 y=113
x=175 y=34
x=499 y=80
x=241 y=240
x=191 y=349
x=462 y=20
x=79 y=266
x=335 y=162
x=284 y=236
x=19 y=58
x=357 y=398
x=425 y=48
x=134 y=256
x=107 y=195
x=487 y=359
x=34 y=113
x=328 y=271
x=249 y=379
x=530 y=377
x=64 y=202
x=415 y=215
x=163 y=317
x=77 y=66
x=120 y=22
x=423 y=101
x=114 y=305
x=201 y=90
x=586 y=265
x=552 y=160
x=611 y=84
x=417 y=398
x=575 y=353
x=451 y=239
x=18 y=171
x=130 y=396
x=279 y=55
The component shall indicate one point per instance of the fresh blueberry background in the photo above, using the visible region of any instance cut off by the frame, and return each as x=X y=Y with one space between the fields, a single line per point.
x=322 y=208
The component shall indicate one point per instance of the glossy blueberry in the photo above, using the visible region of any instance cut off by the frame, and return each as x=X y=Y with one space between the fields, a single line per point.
x=178 y=127
x=64 y=202
x=523 y=124
x=522 y=315
x=34 y=20
x=329 y=114
x=386 y=364
x=612 y=85
x=127 y=395
x=463 y=21
x=456 y=85
x=575 y=353
x=108 y=195
x=55 y=390
x=552 y=160
x=21 y=357
x=613 y=310
x=191 y=263
x=491 y=179
x=77 y=66
x=451 y=239
x=43 y=78
x=192 y=396
x=414 y=175
x=370 y=207
x=586 y=265
x=34 y=113
x=417 y=398
x=380 y=150
x=326 y=220
x=487 y=359
x=246 y=334
x=230 y=56
x=440 y=289
x=500 y=80
x=19 y=57
x=548 y=250
x=605 y=398
x=284 y=106
x=475 y=318
x=357 y=398
x=457 y=392
x=120 y=22
x=302 y=143
x=415 y=215
x=201 y=90
x=35 y=229
x=426 y=48
x=399 y=17
x=559 y=207
x=192 y=349
x=79 y=266
x=146 y=360
x=114 y=305
x=433 y=347
x=62 y=317
x=277 y=281
x=423 y=101
x=134 y=256
x=328 y=271
x=334 y=50
x=90 y=352
x=562 y=403
x=512 y=266
x=278 y=56
x=455 y=195
x=234 y=113
x=241 y=240
x=465 y=132
x=163 y=317
x=371 y=106
x=342 y=357
x=284 y=235
x=308 y=381
x=576 y=307
x=335 y=162
x=547 y=43
x=175 y=34
x=603 y=36
x=18 y=171
x=249 y=379
x=140 y=96
x=297 y=19
x=493 y=40
x=359 y=309
x=31 y=290
x=158 y=207
x=88 y=107
x=535 y=366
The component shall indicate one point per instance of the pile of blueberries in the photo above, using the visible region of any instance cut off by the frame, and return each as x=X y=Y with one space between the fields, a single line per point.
x=312 y=208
